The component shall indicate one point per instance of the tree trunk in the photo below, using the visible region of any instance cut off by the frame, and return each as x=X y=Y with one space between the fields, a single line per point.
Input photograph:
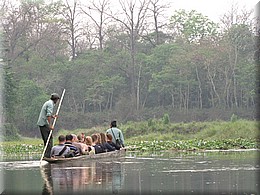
x=234 y=77
x=187 y=98
x=210 y=77
x=138 y=88
x=180 y=96
x=172 y=96
x=200 y=89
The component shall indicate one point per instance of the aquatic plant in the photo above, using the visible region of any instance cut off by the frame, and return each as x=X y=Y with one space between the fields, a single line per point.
x=21 y=149
x=195 y=144
x=153 y=135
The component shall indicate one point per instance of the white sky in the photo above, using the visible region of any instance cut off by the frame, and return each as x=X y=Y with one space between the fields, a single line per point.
x=214 y=9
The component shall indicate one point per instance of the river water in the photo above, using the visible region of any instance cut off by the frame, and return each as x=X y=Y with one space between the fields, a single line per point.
x=229 y=172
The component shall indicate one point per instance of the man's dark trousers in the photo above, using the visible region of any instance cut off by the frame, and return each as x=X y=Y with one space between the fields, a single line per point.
x=45 y=131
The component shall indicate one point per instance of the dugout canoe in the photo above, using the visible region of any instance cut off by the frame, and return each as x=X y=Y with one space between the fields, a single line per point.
x=112 y=154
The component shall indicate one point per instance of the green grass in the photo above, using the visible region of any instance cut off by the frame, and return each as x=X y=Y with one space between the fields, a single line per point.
x=230 y=130
x=216 y=130
x=154 y=135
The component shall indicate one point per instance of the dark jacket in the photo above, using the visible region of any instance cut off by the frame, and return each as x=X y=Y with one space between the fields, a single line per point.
x=114 y=145
x=99 y=148
x=108 y=147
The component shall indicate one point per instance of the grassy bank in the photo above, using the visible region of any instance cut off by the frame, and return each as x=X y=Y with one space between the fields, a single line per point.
x=156 y=135
x=215 y=130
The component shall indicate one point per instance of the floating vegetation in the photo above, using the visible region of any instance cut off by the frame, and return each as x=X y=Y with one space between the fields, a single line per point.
x=21 y=149
x=194 y=145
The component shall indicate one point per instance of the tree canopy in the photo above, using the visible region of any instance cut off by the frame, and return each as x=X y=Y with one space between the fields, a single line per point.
x=128 y=64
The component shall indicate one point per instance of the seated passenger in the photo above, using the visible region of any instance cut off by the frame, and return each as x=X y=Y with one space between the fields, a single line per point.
x=104 y=143
x=81 y=138
x=98 y=138
x=74 y=151
x=98 y=147
x=89 y=143
x=60 y=150
x=109 y=141
x=81 y=146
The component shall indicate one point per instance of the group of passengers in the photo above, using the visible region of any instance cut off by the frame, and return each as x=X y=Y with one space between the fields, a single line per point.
x=74 y=145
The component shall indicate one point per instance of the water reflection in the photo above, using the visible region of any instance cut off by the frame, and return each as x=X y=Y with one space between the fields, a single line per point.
x=82 y=176
x=206 y=173
x=200 y=173
x=48 y=184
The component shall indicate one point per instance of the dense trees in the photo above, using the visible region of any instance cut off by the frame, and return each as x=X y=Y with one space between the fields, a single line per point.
x=129 y=63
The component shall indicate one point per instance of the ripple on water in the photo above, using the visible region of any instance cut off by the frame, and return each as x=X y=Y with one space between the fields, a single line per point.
x=215 y=169
x=22 y=164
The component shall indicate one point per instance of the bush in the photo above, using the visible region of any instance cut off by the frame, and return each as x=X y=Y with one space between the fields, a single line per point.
x=234 y=118
x=10 y=132
x=166 y=119
x=150 y=122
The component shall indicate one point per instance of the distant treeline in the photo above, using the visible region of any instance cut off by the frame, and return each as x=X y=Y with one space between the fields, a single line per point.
x=128 y=64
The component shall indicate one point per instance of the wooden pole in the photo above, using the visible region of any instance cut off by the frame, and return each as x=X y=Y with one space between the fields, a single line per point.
x=53 y=124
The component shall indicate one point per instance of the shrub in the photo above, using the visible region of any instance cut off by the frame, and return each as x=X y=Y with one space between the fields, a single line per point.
x=166 y=119
x=234 y=118
x=150 y=122
x=10 y=132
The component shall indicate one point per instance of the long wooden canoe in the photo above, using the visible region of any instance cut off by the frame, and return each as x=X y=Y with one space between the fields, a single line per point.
x=112 y=154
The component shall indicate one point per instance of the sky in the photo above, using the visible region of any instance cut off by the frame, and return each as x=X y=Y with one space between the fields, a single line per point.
x=214 y=9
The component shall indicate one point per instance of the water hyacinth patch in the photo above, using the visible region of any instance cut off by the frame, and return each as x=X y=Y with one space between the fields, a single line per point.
x=19 y=149
x=156 y=145
x=22 y=149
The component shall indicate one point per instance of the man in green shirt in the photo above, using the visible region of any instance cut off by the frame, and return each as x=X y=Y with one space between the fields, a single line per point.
x=44 y=122
x=116 y=133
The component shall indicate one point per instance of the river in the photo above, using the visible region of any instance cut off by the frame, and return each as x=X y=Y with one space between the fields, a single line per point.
x=225 y=172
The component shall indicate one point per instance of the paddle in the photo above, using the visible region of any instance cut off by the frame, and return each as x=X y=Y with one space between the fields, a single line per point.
x=53 y=124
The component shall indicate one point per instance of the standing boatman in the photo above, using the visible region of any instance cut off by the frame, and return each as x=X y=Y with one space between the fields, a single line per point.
x=44 y=122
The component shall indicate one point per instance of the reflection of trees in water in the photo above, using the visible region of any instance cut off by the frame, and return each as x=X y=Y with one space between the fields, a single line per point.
x=117 y=178
x=83 y=176
x=48 y=184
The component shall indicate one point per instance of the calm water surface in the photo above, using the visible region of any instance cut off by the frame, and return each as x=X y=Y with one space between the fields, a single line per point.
x=185 y=173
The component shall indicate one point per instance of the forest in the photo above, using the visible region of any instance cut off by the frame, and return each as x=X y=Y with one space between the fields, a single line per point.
x=130 y=64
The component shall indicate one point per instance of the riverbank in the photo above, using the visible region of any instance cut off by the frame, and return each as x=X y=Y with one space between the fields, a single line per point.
x=158 y=135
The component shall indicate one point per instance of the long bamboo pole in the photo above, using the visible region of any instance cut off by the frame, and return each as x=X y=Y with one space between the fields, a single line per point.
x=53 y=124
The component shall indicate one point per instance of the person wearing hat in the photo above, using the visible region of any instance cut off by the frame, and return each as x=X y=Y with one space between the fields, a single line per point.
x=116 y=134
x=44 y=122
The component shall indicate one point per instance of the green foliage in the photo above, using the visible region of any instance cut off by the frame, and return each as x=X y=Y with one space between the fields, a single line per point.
x=191 y=64
x=150 y=122
x=166 y=119
x=9 y=98
x=10 y=132
x=210 y=136
x=195 y=130
x=33 y=111
x=159 y=145
x=21 y=148
x=193 y=25
x=232 y=130
x=234 y=118
x=30 y=99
